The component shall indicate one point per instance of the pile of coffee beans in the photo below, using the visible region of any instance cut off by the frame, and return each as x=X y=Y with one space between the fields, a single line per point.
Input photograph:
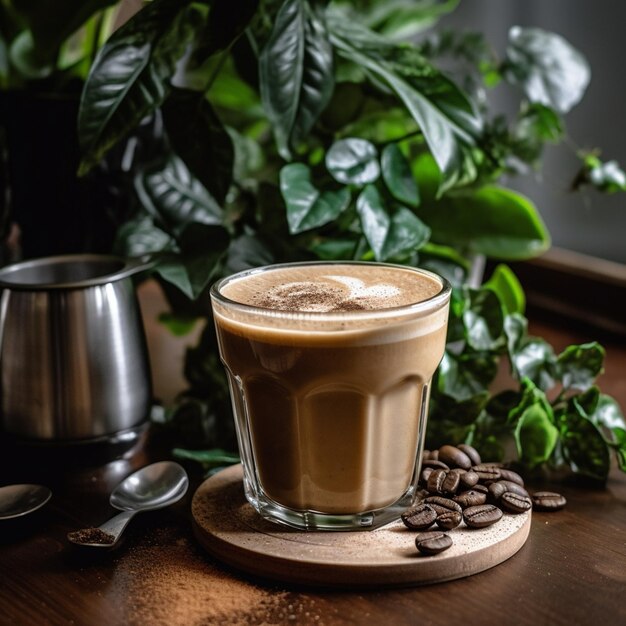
x=458 y=487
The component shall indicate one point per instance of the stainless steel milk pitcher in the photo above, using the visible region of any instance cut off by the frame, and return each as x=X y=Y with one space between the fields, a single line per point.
x=73 y=357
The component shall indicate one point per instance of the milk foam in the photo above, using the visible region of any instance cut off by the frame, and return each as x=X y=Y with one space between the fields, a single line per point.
x=335 y=288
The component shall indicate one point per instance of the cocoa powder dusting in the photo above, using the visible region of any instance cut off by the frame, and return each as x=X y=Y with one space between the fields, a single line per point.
x=166 y=580
x=91 y=535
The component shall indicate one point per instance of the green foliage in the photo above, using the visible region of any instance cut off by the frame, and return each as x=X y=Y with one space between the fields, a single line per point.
x=286 y=130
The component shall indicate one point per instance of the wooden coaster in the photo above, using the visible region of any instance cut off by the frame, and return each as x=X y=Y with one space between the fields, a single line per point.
x=232 y=531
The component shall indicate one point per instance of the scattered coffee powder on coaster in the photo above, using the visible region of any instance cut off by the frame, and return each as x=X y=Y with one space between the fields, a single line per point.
x=165 y=580
x=91 y=535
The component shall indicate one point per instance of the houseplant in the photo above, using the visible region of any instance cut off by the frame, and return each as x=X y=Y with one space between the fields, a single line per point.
x=46 y=50
x=298 y=129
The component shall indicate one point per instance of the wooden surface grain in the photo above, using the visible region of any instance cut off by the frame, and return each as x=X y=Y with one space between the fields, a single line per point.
x=571 y=571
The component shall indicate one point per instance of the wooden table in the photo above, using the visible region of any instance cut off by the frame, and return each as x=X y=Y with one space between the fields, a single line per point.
x=571 y=571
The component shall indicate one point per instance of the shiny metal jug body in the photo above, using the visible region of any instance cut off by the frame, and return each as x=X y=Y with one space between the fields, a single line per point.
x=73 y=357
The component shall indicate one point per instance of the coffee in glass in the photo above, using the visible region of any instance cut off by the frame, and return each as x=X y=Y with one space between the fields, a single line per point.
x=329 y=366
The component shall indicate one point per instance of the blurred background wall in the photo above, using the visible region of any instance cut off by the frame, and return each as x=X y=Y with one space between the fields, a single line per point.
x=587 y=221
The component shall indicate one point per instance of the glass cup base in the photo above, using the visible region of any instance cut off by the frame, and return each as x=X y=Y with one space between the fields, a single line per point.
x=312 y=520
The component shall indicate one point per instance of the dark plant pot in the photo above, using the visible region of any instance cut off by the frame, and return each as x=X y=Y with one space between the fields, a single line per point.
x=57 y=212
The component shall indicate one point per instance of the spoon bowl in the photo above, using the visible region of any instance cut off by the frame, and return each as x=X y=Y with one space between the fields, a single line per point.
x=19 y=500
x=152 y=487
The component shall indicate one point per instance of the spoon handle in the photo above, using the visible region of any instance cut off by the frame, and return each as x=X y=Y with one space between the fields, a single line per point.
x=116 y=525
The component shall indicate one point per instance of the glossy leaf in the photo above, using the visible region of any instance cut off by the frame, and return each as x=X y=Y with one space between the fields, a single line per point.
x=174 y=197
x=530 y=357
x=583 y=445
x=130 y=76
x=200 y=140
x=307 y=207
x=394 y=233
x=549 y=69
x=535 y=436
x=608 y=413
x=141 y=236
x=508 y=289
x=398 y=176
x=435 y=117
x=202 y=248
x=247 y=251
x=483 y=320
x=580 y=365
x=464 y=376
x=50 y=22
x=353 y=161
x=401 y=20
x=296 y=73
x=334 y=249
x=494 y=221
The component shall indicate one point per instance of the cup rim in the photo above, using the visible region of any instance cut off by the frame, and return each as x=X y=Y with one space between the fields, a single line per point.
x=428 y=305
x=124 y=268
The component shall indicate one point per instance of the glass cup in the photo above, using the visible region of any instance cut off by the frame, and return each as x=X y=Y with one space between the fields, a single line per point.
x=330 y=407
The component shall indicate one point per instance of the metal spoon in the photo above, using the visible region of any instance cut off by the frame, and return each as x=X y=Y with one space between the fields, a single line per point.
x=18 y=500
x=152 y=487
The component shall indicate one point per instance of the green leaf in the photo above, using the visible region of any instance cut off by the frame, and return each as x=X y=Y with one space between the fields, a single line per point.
x=307 y=207
x=401 y=20
x=201 y=250
x=140 y=236
x=247 y=251
x=483 y=320
x=177 y=325
x=508 y=289
x=584 y=447
x=130 y=77
x=620 y=447
x=467 y=375
x=437 y=117
x=547 y=67
x=174 y=197
x=580 y=365
x=608 y=413
x=209 y=459
x=296 y=73
x=334 y=249
x=353 y=161
x=607 y=177
x=530 y=357
x=398 y=176
x=200 y=140
x=390 y=234
x=531 y=395
x=493 y=221
x=535 y=436
x=50 y=22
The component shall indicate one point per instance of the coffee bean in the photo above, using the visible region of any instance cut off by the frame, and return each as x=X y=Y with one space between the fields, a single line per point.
x=486 y=472
x=434 y=455
x=515 y=503
x=433 y=542
x=450 y=483
x=425 y=455
x=449 y=520
x=433 y=464
x=454 y=457
x=420 y=494
x=548 y=501
x=481 y=488
x=443 y=505
x=468 y=479
x=470 y=498
x=514 y=477
x=481 y=516
x=472 y=453
x=419 y=517
x=435 y=481
x=500 y=487
x=425 y=474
